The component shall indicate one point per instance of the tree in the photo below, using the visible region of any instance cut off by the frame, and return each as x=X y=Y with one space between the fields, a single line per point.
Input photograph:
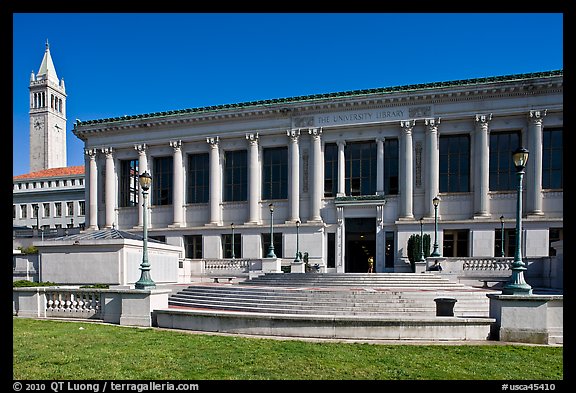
x=414 y=248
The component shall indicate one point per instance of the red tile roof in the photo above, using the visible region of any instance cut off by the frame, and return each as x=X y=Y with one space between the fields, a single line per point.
x=52 y=172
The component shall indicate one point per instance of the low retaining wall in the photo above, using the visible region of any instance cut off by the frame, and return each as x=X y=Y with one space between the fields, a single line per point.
x=131 y=307
x=323 y=326
x=536 y=319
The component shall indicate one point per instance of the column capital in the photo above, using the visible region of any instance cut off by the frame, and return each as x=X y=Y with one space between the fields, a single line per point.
x=213 y=141
x=91 y=153
x=176 y=145
x=293 y=134
x=407 y=125
x=341 y=143
x=432 y=124
x=252 y=138
x=141 y=148
x=107 y=151
x=380 y=139
x=315 y=132
x=482 y=120
x=537 y=116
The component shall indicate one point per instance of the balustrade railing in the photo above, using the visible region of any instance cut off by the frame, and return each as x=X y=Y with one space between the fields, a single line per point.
x=73 y=303
x=226 y=265
x=486 y=264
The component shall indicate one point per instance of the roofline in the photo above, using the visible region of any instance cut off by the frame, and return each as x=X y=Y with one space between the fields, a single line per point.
x=324 y=96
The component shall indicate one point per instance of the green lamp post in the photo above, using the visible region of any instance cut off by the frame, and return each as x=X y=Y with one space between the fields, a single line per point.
x=271 y=247
x=421 y=259
x=145 y=281
x=297 y=259
x=502 y=254
x=517 y=285
x=435 y=252
x=232 y=227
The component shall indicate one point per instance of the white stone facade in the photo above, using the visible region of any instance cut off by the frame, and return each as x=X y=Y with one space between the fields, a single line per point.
x=403 y=136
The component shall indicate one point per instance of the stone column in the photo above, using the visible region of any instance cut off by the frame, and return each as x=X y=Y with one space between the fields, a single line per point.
x=341 y=169
x=406 y=186
x=534 y=165
x=433 y=165
x=142 y=167
x=109 y=188
x=317 y=181
x=92 y=190
x=178 y=192
x=294 y=182
x=482 y=179
x=215 y=181
x=253 y=179
x=380 y=166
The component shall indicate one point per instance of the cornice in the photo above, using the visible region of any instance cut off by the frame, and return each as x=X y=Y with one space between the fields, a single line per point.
x=440 y=92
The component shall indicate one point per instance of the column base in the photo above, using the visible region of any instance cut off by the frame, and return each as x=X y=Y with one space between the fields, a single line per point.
x=535 y=213
x=481 y=216
x=177 y=225
x=292 y=221
x=213 y=224
x=253 y=223
x=406 y=218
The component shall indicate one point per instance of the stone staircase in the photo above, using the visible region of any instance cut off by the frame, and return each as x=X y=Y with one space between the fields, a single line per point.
x=393 y=294
x=324 y=305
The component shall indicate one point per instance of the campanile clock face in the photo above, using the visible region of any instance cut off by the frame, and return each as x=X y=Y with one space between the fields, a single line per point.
x=39 y=123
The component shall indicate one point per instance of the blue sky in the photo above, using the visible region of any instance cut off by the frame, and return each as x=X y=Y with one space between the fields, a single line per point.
x=127 y=64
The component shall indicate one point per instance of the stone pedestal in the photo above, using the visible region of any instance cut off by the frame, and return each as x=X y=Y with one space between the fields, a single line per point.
x=536 y=319
x=297 y=267
x=271 y=265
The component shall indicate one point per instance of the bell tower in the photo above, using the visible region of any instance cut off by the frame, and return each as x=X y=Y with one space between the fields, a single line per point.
x=47 y=117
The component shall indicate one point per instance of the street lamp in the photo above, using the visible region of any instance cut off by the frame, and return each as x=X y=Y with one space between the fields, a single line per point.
x=436 y=202
x=297 y=259
x=517 y=285
x=145 y=281
x=271 y=247
x=502 y=254
x=421 y=241
x=232 y=226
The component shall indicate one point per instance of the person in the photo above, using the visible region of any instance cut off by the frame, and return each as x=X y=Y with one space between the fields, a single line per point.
x=436 y=267
x=370 y=264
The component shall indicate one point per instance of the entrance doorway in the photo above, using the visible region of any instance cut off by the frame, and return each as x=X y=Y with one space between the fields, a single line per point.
x=360 y=244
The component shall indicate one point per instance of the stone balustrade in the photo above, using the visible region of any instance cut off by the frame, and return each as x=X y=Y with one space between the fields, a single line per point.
x=122 y=305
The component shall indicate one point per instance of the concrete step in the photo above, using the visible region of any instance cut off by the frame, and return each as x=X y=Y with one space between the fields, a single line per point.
x=326 y=301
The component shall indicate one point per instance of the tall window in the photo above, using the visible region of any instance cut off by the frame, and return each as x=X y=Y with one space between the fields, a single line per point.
x=69 y=208
x=278 y=246
x=193 y=246
x=82 y=208
x=275 y=173
x=162 y=181
x=502 y=169
x=391 y=160
x=331 y=255
x=454 y=163
x=360 y=174
x=235 y=176
x=552 y=172
x=128 y=191
x=455 y=243
x=57 y=209
x=330 y=169
x=23 y=211
x=509 y=242
x=34 y=210
x=227 y=245
x=554 y=234
x=198 y=178
x=46 y=207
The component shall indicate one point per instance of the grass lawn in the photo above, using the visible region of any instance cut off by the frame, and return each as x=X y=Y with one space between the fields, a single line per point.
x=58 y=350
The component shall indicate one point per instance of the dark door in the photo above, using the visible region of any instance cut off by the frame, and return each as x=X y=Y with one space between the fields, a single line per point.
x=360 y=244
